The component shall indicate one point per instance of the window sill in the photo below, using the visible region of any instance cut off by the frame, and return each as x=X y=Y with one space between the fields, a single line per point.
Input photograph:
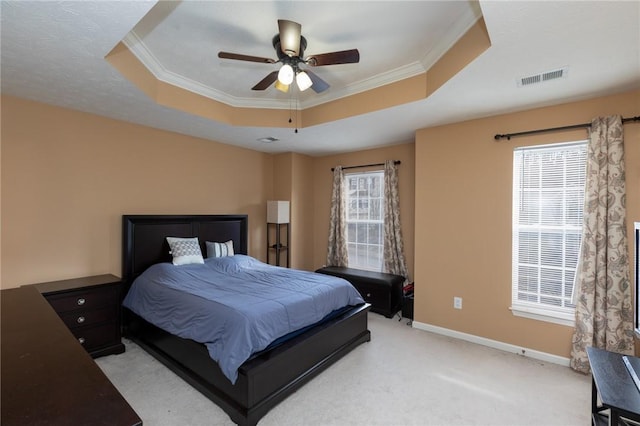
x=561 y=318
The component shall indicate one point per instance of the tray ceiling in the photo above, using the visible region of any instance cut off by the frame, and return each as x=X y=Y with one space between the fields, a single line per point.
x=54 y=52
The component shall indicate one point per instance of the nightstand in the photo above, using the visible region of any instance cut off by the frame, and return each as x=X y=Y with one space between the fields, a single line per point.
x=90 y=308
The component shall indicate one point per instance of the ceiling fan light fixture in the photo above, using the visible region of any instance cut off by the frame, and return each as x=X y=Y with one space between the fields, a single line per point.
x=290 y=46
x=285 y=75
x=303 y=80
x=282 y=87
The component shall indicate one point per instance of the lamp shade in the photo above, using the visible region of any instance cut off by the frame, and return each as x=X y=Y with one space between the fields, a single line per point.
x=303 y=80
x=282 y=87
x=277 y=212
x=285 y=75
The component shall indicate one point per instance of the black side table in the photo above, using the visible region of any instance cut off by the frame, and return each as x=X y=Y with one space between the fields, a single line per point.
x=278 y=247
x=618 y=393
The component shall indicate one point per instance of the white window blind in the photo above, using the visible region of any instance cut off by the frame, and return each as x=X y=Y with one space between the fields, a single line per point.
x=365 y=220
x=548 y=197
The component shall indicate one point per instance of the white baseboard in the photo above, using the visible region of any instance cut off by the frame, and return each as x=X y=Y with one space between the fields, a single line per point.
x=507 y=347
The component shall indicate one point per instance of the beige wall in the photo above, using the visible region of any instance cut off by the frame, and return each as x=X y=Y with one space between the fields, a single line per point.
x=282 y=169
x=463 y=202
x=293 y=182
x=323 y=179
x=302 y=213
x=68 y=177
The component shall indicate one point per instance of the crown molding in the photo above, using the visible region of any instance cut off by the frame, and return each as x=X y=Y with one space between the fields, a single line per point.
x=455 y=33
x=137 y=46
x=392 y=76
x=147 y=58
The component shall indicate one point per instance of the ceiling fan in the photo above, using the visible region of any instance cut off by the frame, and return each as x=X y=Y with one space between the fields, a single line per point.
x=290 y=45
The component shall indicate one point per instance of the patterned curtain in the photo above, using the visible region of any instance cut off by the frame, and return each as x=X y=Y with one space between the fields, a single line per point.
x=337 y=254
x=603 y=298
x=394 y=261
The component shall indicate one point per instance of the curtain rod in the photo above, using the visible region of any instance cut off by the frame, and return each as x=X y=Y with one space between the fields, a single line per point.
x=508 y=136
x=366 y=165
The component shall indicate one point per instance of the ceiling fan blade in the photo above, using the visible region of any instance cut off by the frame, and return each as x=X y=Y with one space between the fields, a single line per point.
x=237 y=56
x=289 y=37
x=343 y=57
x=319 y=85
x=266 y=82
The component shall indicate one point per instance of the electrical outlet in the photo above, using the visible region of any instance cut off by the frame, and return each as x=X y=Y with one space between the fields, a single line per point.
x=457 y=302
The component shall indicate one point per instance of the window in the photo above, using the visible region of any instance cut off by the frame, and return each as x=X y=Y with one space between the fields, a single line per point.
x=365 y=224
x=548 y=197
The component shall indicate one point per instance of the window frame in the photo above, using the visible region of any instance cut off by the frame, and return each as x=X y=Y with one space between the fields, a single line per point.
x=380 y=222
x=564 y=315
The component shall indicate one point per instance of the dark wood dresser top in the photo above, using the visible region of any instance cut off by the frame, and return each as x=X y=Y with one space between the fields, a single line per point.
x=75 y=283
x=47 y=378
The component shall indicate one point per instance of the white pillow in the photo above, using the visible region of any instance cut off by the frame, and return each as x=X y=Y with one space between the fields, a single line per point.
x=219 y=249
x=185 y=250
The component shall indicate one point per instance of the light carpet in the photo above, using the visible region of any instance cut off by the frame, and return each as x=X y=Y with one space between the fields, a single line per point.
x=404 y=376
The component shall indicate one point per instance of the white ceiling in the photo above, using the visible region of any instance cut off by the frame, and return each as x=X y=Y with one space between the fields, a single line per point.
x=54 y=52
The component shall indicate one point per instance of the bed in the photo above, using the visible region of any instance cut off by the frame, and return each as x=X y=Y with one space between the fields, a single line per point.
x=267 y=377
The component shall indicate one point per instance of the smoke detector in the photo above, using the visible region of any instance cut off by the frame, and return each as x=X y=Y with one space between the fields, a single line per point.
x=542 y=77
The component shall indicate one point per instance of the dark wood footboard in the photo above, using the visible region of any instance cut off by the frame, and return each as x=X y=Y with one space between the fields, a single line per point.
x=264 y=380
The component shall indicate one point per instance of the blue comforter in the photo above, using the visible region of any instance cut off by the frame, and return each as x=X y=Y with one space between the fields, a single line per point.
x=235 y=305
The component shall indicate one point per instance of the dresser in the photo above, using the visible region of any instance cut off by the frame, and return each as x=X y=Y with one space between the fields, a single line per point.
x=90 y=308
x=47 y=378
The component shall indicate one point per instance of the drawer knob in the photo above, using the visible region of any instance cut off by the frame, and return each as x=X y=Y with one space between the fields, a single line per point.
x=81 y=301
x=368 y=294
x=80 y=320
x=81 y=340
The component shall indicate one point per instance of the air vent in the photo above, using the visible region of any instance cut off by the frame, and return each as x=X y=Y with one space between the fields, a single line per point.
x=545 y=76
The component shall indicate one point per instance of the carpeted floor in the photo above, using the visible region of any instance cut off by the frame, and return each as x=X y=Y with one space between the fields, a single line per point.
x=404 y=376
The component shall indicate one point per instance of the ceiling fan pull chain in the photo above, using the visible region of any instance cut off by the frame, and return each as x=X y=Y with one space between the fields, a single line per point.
x=297 y=101
x=290 y=108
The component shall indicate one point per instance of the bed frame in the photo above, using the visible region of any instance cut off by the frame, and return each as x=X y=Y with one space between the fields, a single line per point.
x=268 y=377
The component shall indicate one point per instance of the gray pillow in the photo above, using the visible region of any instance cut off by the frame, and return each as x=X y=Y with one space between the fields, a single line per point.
x=219 y=249
x=185 y=250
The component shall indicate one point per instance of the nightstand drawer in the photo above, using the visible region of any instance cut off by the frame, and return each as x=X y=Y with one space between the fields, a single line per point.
x=85 y=299
x=95 y=337
x=86 y=317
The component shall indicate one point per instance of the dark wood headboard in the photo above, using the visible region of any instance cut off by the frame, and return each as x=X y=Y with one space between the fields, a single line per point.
x=144 y=237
